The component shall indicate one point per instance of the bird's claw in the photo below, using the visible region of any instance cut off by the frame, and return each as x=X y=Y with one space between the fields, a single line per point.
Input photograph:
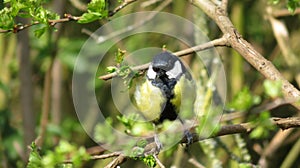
x=189 y=137
x=159 y=145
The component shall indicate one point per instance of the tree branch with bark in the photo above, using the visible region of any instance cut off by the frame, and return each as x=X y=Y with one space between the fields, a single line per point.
x=238 y=43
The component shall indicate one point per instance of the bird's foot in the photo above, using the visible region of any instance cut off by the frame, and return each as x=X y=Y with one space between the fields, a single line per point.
x=189 y=137
x=159 y=145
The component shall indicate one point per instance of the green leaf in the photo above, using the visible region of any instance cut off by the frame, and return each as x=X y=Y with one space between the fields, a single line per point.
x=149 y=161
x=272 y=88
x=89 y=17
x=96 y=6
x=104 y=132
x=6 y=20
x=111 y=69
x=35 y=159
x=120 y=56
x=257 y=132
x=264 y=125
x=96 y=10
x=245 y=165
x=274 y=1
x=243 y=100
x=39 y=32
x=136 y=151
x=292 y=5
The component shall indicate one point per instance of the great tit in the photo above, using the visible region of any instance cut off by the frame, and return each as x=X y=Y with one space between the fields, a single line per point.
x=167 y=91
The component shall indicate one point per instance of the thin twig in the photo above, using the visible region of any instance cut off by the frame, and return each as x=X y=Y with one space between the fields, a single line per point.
x=117 y=161
x=286 y=123
x=45 y=106
x=158 y=161
x=123 y=5
x=194 y=162
x=214 y=43
x=272 y=147
x=105 y=156
x=285 y=12
x=17 y=28
x=148 y=3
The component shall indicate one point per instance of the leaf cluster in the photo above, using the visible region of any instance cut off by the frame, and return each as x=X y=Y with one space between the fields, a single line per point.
x=96 y=9
x=32 y=9
x=58 y=156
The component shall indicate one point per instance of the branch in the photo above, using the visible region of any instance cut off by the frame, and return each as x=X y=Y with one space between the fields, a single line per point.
x=286 y=123
x=105 y=156
x=215 y=43
x=283 y=123
x=158 y=161
x=273 y=146
x=285 y=12
x=117 y=161
x=67 y=18
x=224 y=5
x=236 y=41
x=123 y=5
x=150 y=148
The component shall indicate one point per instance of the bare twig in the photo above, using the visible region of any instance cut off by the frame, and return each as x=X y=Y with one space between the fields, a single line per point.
x=95 y=150
x=286 y=123
x=45 y=106
x=123 y=5
x=214 y=43
x=265 y=67
x=17 y=28
x=285 y=12
x=292 y=155
x=105 y=156
x=194 y=162
x=283 y=123
x=148 y=3
x=158 y=161
x=117 y=161
x=272 y=147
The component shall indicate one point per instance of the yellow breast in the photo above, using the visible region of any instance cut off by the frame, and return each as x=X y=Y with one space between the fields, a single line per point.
x=149 y=100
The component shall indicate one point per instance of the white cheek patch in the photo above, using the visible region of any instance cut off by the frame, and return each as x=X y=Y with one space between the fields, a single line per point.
x=175 y=71
x=150 y=73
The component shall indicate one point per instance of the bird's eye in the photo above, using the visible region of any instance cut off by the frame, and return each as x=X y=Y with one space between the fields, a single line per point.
x=155 y=69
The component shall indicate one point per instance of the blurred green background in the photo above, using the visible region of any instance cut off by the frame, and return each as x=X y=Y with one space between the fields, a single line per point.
x=36 y=85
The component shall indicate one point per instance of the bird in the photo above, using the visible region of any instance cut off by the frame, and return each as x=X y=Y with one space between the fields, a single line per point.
x=167 y=91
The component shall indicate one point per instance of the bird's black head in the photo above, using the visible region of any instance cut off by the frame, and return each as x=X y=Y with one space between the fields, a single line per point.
x=165 y=65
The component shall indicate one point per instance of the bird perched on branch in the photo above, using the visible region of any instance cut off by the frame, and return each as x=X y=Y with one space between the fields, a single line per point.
x=167 y=92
